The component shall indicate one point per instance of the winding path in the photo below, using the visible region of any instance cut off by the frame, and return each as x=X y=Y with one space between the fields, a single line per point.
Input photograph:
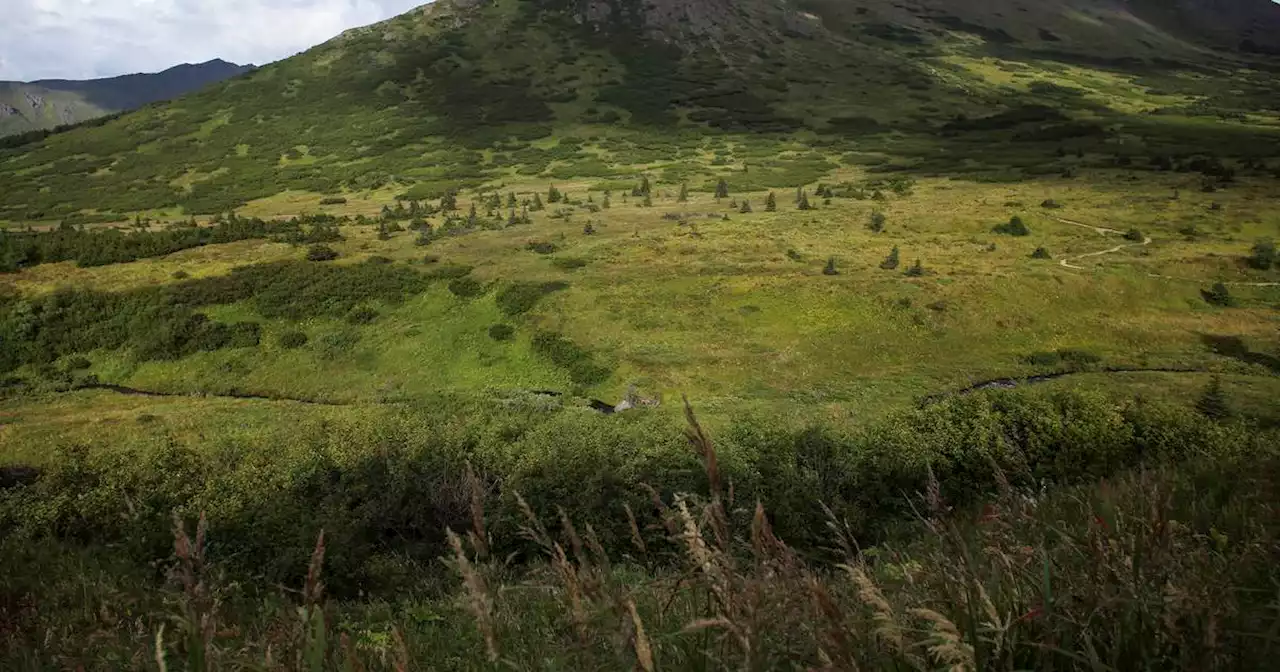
x=1147 y=240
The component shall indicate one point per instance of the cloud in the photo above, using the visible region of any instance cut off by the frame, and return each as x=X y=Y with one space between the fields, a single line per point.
x=80 y=39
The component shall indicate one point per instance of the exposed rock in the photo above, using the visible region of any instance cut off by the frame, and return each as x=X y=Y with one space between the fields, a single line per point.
x=7 y=110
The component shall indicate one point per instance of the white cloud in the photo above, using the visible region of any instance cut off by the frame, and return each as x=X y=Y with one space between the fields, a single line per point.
x=80 y=39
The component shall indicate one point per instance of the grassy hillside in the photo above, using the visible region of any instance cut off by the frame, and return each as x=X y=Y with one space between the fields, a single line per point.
x=994 y=283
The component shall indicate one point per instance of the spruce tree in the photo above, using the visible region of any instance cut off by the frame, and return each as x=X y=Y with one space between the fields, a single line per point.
x=605 y=203
x=537 y=203
x=877 y=221
x=684 y=194
x=722 y=189
x=1213 y=402
x=511 y=199
x=830 y=268
x=746 y=207
x=471 y=216
x=645 y=187
x=891 y=262
x=648 y=202
x=804 y=201
x=449 y=202
x=771 y=203
x=554 y=195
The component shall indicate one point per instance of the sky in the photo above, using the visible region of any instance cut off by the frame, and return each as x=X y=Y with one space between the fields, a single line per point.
x=84 y=39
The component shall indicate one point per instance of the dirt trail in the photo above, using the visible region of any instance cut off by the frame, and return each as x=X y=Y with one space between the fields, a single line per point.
x=1101 y=230
x=1147 y=240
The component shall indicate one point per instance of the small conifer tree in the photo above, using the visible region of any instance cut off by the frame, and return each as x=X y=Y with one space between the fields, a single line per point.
x=771 y=203
x=891 y=262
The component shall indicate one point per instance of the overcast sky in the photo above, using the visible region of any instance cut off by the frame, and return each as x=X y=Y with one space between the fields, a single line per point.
x=83 y=39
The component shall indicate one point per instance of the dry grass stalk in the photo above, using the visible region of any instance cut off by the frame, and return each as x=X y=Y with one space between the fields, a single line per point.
x=479 y=535
x=636 y=538
x=664 y=513
x=764 y=544
x=887 y=628
x=401 y=662
x=711 y=465
x=313 y=591
x=946 y=643
x=835 y=636
x=579 y=549
x=601 y=557
x=198 y=606
x=161 y=663
x=573 y=588
x=478 y=600
x=353 y=663
x=640 y=641
x=534 y=531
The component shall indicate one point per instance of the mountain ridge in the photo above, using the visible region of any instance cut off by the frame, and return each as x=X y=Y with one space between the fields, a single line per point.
x=46 y=103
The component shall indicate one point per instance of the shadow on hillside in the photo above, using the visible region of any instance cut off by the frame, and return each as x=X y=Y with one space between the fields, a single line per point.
x=1235 y=348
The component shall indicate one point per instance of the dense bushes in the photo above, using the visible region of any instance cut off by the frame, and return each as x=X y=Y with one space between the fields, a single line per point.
x=1014 y=227
x=383 y=488
x=520 y=297
x=162 y=322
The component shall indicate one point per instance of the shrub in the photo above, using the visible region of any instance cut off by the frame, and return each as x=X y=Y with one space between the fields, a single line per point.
x=502 y=332
x=541 y=247
x=877 y=222
x=1213 y=401
x=244 y=335
x=1014 y=227
x=916 y=271
x=77 y=363
x=466 y=288
x=891 y=262
x=568 y=263
x=333 y=200
x=1041 y=253
x=1134 y=235
x=292 y=340
x=321 y=253
x=568 y=355
x=362 y=316
x=520 y=297
x=1218 y=295
x=379 y=259
x=1050 y=204
x=793 y=255
x=181 y=275
x=830 y=268
x=1263 y=255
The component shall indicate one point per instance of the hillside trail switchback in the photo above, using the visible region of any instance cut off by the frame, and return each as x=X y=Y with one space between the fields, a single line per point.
x=1146 y=240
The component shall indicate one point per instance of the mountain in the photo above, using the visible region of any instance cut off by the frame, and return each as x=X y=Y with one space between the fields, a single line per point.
x=47 y=103
x=456 y=93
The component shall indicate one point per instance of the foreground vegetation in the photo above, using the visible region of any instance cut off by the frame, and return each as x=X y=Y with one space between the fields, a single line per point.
x=1002 y=530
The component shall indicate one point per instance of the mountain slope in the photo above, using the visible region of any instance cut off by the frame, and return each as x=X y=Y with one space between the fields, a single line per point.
x=455 y=93
x=44 y=104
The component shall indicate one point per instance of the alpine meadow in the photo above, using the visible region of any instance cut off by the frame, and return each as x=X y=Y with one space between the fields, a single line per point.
x=659 y=335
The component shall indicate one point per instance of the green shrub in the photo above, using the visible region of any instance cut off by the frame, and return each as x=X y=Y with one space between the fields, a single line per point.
x=361 y=316
x=333 y=200
x=1041 y=253
x=891 y=262
x=830 y=268
x=1263 y=255
x=569 y=263
x=466 y=288
x=568 y=355
x=321 y=253
x=291 y=340
x=1014 y=227
x=541 y=247
x=1134 y=235
x=1218 y=295
x=502 y=332
x=520 y=297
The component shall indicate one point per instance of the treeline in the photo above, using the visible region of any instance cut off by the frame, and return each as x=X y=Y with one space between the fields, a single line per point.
x=100 y=247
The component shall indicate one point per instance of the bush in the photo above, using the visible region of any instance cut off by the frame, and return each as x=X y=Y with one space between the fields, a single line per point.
x=361 y=316
x=1263 y=255
x=877 y=222
x=333 y=200
x=568 y=355
x=830 y=268
x=916 y=271
x=519 y=298
x=502 y=332
x=891 y=262
x=77 y=363
x=292 y=340
x=1014 y=227
x=541 y=247
x=568 y=263
x=1135 y=236
x=1050 y=204
x=466 y=288
x=321 y=253
x=1041 y=253
x=1218 y=295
